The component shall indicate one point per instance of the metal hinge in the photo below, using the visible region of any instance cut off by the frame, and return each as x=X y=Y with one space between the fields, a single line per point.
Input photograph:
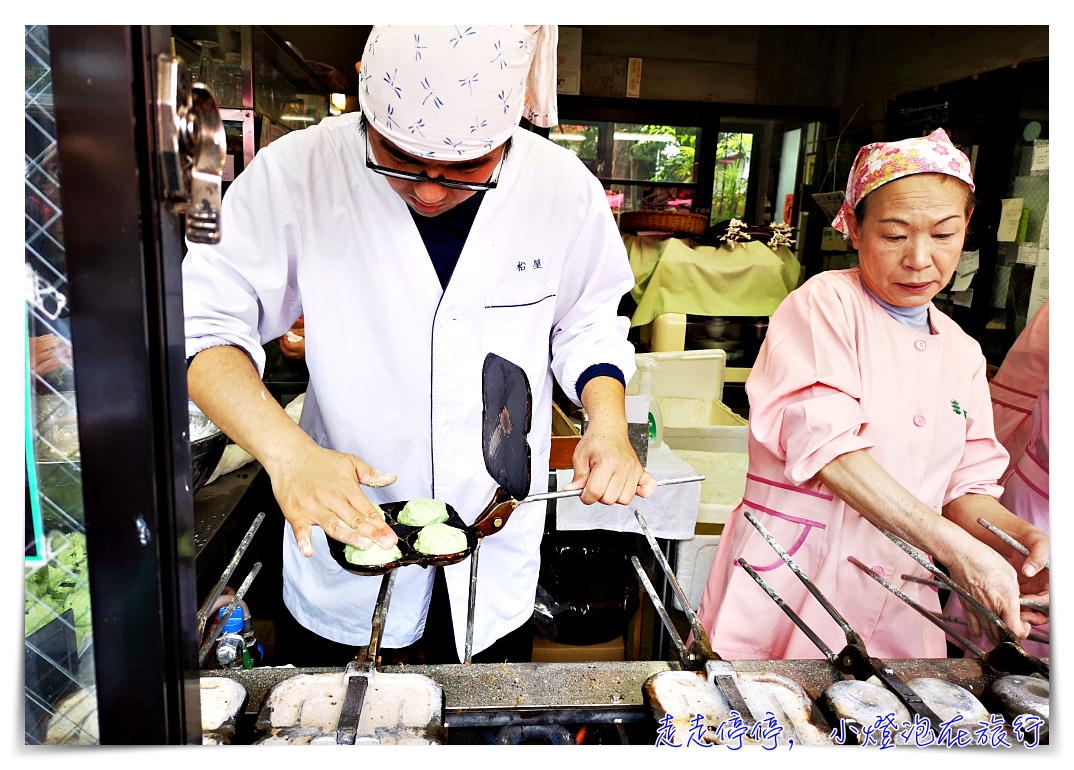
x=192 y=149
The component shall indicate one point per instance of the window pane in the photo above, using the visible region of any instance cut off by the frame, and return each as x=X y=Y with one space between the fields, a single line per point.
x=636 y=197
x=650 y=153
x=731 y=177
x=59 y=673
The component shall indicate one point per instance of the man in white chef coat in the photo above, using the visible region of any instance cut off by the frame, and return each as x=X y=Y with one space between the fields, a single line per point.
x=415 y=238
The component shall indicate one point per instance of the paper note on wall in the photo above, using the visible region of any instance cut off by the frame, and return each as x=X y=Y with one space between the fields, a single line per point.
x=633 y=78
x=963 y=298
x=1027 y=253
x=1044 y=229
x=1040 y=155
x=1009 y=219
x=569 y=61
x=1038 y=293
x=968 y=265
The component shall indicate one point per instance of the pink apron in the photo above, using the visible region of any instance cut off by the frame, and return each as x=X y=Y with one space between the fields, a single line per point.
x=1018 y=383
x=835 y=374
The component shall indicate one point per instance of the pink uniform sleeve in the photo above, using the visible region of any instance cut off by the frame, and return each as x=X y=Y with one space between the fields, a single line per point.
x=983 y=458
x=805 y=389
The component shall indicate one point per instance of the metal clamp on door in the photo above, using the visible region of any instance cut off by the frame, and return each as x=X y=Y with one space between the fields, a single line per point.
x=192 y=149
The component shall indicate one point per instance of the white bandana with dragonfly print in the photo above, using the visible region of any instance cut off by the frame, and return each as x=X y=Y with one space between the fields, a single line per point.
x=457 y=92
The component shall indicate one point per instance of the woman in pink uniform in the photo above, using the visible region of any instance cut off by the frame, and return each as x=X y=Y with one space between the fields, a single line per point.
x=1020 y=408
x=868 y=408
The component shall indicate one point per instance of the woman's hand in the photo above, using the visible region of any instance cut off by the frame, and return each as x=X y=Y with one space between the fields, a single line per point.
x=1033 y=579
x=318 y=486
x=992 y=581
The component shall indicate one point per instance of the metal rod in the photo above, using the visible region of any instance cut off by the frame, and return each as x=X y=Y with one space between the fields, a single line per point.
x=1027 y=603
x=203 y=651
x=691 y=616
x=1033 y=636
x=229 y=570
x=647 y=584
x=786 y=608
x=1008 y=539
x=921 y=610
x=380 y=615
x=471 y=604
x=1004 y=631
x=851 y=635
x=577 y=492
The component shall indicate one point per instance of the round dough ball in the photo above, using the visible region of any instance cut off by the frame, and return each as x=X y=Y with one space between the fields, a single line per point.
x=372 y=556
x=440 y=540
x=422 y=511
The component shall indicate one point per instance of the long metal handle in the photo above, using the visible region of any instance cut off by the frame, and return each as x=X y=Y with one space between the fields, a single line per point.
x=1027 y=603
x=380 y=615
x=203 y=651
x=851 y=635
x=471 y=604
x=577 y=492
x=1008 y=539
x=695 y=622
x=1004 y=630
x=207 y=607
x=1034 y=636
x=685 y=655
x=921 y=610
x=789 y=612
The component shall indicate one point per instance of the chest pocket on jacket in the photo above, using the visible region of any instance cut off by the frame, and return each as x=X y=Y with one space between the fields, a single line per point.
x=516 y=324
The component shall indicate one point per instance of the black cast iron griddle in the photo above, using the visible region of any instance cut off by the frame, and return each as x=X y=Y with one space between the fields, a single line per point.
x=407 y=535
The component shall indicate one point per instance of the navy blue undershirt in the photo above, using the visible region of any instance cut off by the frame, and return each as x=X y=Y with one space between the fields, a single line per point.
x=444 y=236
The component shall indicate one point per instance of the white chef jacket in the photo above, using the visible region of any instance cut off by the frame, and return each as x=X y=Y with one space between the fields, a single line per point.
x=395 y=361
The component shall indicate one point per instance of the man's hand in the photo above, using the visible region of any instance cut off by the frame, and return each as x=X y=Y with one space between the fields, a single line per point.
x=605 y=464
x=320 y=486
x=293 y=343
x=313 y=485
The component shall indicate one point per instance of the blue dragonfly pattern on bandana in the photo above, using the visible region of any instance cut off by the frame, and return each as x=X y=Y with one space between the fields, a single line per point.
x=419 y=124
x=478 y=123
x=499 y=55
x=390 y=80
x=390 y=119
x=503 y=97
x=437 y=102
x=453 y=145
x=418 y=47
x=369 y=49
x=469 y=82
x=460 y=35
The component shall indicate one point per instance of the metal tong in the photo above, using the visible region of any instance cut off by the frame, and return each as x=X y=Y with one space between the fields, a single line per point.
x=1028 y=604
x=995 y=663
x=493 y=519
x=360 y=671
x=1008 y=539
x=1009 y=655
x=206 y=608
x=854 y=659
x=699 y=655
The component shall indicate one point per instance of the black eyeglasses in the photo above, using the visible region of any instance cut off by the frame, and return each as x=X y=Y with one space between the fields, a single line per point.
x=454 y=184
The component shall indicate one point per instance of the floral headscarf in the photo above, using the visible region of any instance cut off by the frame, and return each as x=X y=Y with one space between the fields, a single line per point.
x=881 y=162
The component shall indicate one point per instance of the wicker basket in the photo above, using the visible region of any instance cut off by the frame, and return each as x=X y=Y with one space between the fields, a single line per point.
x=664 y=221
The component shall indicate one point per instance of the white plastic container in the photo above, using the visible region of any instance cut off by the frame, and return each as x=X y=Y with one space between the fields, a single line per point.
x=702 y=424
x=694 y=561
